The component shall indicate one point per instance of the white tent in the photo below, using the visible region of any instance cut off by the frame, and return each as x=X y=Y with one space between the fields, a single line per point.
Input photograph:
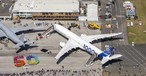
x=92 y=12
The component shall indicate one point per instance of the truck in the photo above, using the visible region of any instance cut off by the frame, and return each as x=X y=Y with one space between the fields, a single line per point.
x=93 y=25
x=16 y=19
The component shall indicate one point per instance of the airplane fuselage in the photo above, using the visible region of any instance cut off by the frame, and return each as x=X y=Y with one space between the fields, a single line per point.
x=85 y=45
x=10 y=34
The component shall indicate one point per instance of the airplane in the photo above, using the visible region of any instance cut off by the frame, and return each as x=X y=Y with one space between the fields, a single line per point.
x=10 y=33
x=83 y=42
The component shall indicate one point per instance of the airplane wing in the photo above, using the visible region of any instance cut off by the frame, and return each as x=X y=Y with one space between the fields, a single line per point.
x=68 y=46
x=19 y=29
x=101 y=36
x=2 y=34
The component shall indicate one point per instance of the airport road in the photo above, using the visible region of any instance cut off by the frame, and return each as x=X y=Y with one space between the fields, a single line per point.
x=75 y=61
x=133 y=61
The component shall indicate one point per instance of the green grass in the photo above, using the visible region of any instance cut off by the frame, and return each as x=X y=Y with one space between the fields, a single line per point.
x=135 y=33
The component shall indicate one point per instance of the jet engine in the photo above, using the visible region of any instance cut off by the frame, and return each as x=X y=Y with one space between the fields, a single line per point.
x=62 y=44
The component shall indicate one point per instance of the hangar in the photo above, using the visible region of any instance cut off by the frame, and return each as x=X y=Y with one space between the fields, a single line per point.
x=46 y=9
x=92 y=13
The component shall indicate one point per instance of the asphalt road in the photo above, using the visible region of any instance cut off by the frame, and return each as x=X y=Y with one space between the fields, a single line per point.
x=133 y=61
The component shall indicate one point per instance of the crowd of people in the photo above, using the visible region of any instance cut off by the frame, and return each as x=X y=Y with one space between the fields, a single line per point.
x=51 y=72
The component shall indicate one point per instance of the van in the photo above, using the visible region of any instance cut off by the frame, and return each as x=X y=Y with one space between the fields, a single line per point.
x=131 y=23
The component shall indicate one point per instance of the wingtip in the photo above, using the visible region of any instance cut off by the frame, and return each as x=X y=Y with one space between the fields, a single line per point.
x=120 y=55
x=120 y=33
x=38 y=27
x=56 y=58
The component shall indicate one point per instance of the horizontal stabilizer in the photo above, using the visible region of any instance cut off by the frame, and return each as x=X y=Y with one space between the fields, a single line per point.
x=106 y=59
x=115 y=56
x=17 y=45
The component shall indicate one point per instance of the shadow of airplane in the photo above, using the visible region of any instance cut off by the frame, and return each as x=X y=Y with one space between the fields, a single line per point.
x=22 y=48
x=106 y=39
x=29 y=31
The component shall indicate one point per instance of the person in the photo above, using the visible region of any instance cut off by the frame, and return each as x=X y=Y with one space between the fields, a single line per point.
x=79 y=27
x=62 y=67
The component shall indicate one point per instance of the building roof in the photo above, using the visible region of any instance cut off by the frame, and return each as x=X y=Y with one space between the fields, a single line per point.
x=92 y=12
x=46 y=6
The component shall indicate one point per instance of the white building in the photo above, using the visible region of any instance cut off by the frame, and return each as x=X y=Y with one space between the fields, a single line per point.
x=92 y=13
x=46 y=9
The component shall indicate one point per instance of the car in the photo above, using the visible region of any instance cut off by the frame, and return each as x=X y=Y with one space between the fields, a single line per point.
x=108 y=25
x=108 y=15
x=108 y=5
x=131 y=23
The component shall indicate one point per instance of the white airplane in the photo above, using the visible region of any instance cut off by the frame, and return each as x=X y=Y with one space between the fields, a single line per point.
x=83 y=42
x=11 y=34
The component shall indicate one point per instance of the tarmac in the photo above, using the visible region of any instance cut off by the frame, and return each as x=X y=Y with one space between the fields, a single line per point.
x=75 y=61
